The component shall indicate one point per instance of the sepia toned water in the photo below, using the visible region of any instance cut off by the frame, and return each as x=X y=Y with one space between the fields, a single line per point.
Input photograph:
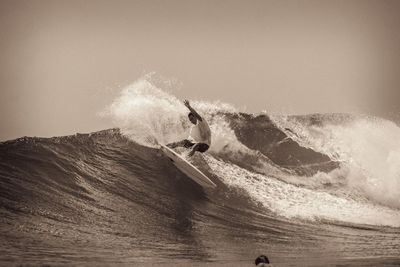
x=316 y=190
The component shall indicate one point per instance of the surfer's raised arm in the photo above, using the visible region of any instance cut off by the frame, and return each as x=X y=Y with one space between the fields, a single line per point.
x=200 y=133
x=194 y=112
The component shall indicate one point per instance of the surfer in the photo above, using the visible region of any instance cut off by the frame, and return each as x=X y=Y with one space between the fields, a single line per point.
x=200 y=135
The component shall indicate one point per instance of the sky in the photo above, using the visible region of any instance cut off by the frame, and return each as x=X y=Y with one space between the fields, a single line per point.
x=63 y=62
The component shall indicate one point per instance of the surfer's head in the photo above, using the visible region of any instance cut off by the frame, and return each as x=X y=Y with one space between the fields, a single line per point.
x=192 y=118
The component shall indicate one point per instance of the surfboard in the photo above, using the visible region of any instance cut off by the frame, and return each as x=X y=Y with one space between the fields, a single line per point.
x=187 y=168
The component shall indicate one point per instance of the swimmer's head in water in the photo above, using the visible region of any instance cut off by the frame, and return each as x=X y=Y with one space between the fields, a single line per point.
x=261 y=260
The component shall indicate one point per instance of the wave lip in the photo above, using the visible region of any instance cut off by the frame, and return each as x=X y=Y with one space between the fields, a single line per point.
x=259 y=132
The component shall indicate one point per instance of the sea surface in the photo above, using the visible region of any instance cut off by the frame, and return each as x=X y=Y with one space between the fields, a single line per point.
x=309 y=190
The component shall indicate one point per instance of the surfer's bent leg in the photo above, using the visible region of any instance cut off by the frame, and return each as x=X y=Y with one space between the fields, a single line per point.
x=184 y=143
x=201 y=147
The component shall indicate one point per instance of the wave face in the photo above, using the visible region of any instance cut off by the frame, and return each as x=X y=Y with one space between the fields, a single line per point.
x=287 y=186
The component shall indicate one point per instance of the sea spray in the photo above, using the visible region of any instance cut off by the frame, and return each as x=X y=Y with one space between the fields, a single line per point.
x=369 y=147
x=146 y=113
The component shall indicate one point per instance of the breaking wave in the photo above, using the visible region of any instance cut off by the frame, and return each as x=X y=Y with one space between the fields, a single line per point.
x=272 y=172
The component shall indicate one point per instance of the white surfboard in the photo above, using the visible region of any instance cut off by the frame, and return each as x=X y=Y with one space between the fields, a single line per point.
x=187 y=168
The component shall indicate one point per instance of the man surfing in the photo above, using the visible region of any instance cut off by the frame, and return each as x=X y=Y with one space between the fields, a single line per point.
x=200 y=134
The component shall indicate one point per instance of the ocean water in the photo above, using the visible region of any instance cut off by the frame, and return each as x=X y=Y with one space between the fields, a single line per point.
x=311 y=190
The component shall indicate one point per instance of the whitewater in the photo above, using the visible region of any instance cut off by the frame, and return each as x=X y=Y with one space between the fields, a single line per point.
x=307 y=190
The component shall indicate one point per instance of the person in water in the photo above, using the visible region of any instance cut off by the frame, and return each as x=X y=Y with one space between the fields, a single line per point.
x=262 y=261
x=200 y=135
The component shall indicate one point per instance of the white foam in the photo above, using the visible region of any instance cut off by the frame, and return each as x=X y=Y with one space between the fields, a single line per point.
x=368 y=147
x=291 y=201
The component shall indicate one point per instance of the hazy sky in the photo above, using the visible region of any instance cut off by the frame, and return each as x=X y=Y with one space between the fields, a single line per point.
x=63 y=61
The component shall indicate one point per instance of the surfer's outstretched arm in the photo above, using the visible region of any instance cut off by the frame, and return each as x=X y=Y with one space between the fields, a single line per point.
x=187 y=104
